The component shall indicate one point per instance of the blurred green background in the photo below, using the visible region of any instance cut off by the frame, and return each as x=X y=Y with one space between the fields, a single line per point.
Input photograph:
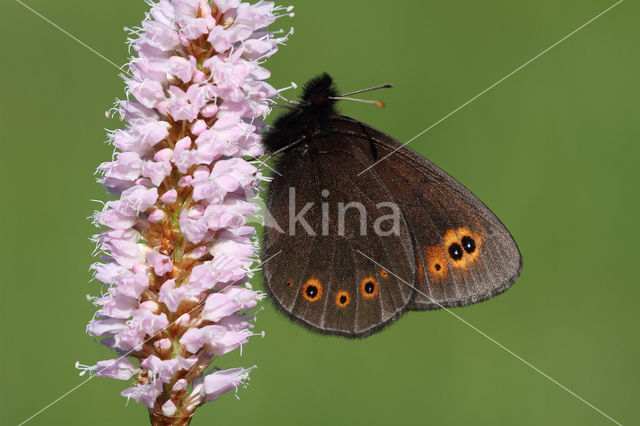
x=553 y=150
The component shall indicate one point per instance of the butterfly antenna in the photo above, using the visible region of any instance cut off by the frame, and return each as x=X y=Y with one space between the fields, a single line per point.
x=364 y=101
x=370 y=89
x=346 y=97
x=273 y=154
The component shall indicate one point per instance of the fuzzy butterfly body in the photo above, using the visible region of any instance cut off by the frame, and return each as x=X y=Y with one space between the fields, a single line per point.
x=352 y=247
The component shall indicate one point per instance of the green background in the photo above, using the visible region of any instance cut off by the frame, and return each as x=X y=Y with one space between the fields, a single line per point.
x=553 y=150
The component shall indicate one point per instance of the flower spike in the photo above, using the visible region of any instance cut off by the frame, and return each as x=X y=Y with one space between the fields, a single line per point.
x=176 y=251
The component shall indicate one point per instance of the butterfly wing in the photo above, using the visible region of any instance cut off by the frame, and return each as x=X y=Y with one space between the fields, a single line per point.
x=463 y=253
x=323 y=277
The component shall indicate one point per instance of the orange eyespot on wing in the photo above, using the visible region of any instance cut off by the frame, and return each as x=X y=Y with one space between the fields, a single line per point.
x=290 y=283
x=437 y=264
x=453 y=248
x=312 y=290
x=343 y=298
x=461 y=248
x=369 y=288
x=384 y=274
x=470 y=243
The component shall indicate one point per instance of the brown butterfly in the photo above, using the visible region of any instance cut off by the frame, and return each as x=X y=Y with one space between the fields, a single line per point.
x=351 y=247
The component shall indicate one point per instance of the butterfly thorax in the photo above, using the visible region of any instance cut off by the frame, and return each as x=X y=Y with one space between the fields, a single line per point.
x=307 y=120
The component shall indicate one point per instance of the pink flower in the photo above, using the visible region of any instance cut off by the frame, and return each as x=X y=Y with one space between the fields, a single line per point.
x=161 y=263
x=169 y=197
x=172 y=297
x=193 y=227
x=156 y=171
x=127 y=167
x=105 y=327
x=121 y=369
x=148 y=92
x=164 y=370
x=176 y=251
x=126 y=253
x=117 y=305
x=180 y=385
x=144 y=394
x=229 y=342
x=231 y=300
x=169 y=409
x=133 y=286
x=196 y=338
x=221 y=382
x=225 y=5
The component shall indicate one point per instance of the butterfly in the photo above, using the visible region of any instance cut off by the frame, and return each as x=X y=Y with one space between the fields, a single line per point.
x=362 y=229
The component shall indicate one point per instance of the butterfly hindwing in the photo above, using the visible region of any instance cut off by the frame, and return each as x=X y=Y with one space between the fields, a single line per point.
x=463 y=253
x=328 y=279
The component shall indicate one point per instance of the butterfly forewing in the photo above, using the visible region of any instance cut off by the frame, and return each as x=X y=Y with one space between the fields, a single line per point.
x=326 y=278
x=463 y=253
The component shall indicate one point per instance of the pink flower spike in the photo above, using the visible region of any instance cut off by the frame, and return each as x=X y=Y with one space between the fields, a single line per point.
x=174 y=246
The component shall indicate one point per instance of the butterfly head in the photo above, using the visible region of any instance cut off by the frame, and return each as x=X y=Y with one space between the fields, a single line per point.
x=311 y=115
x=319 y=93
